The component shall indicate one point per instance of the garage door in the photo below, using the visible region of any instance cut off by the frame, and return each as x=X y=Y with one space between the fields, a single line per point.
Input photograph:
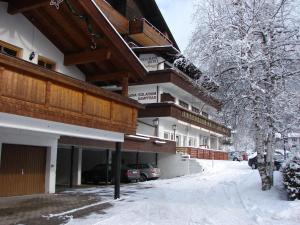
x=22 y=170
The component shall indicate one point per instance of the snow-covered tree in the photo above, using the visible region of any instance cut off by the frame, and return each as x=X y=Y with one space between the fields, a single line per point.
x=250 y=49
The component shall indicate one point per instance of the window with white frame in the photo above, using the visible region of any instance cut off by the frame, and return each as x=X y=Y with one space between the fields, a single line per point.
x=191 y=141
x=166 y=135
x=205 y=141
x=184 y=142
x=172 y=137
x=200 y=140
x=178 y=139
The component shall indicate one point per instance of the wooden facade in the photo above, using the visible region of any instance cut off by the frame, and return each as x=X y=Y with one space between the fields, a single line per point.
x=130 y=144
x=175 y=111
x=199 y=153
x=144 y=33
x=29 y=90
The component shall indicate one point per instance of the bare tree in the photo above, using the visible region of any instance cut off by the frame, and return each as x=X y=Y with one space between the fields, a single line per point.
x=250 y=48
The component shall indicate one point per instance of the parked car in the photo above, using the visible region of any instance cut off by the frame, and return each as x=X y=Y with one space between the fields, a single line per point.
x=147 y=170
x=97 y=174
x=235 y=156
x=278 y=160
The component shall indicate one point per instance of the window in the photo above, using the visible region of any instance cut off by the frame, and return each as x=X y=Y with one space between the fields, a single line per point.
x=166 y=135
x=183 y=104
x=9 y=49
x=294 y=139
x=184 y=141
x=172 y=137
x=191 y=141
x=205 y=141
x=46 y=63
x=205 y=114
x=195 y=110
x=178 y=140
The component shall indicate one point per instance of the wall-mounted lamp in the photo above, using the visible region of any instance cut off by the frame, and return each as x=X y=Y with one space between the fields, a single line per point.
x=32 y=56
x=155 y=122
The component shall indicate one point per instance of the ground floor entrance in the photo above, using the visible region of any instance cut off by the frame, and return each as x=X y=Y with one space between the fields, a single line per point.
x=22 y=170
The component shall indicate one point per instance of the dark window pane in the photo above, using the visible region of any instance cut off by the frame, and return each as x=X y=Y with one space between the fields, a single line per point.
x=196 y=110
x=41 y=63
x=183 y=104
x=10 y=52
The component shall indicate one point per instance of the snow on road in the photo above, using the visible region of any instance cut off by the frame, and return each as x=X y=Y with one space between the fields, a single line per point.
x=227 y=194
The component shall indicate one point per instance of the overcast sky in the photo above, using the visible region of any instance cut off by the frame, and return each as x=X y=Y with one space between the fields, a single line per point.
x=178 y=15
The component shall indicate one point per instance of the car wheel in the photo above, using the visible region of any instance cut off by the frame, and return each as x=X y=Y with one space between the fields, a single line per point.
x=143 y=178
x=234 y=159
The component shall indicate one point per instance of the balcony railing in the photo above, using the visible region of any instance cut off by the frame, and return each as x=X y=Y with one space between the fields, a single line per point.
x=172 y=110
x=201 y=153
x=29 y=90
x=143 y=32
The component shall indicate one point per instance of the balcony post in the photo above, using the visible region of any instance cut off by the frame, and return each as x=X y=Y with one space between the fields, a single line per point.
x=71 y=166
x=117 y=169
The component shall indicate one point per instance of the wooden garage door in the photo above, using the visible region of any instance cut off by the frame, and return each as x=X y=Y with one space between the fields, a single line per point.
x=22 y=170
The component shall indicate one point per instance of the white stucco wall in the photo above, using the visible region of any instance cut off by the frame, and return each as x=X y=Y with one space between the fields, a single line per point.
x=19 y=31
x=174 y=165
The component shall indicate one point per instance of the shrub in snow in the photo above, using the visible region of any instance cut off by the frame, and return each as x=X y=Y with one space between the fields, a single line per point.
x=291 y=177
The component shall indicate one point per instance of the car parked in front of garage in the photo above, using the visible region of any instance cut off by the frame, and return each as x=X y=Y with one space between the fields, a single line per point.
x=99 y=174
x=147 y=170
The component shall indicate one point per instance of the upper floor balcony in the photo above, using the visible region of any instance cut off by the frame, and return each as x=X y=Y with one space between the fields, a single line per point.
x=144 y=33
x=139 y=30
x=179 y=113
x=29 y=90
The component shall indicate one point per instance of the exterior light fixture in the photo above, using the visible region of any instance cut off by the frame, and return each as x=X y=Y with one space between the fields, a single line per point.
x=155 y=122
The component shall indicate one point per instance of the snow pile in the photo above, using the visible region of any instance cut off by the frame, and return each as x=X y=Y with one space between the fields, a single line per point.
x=227 y=193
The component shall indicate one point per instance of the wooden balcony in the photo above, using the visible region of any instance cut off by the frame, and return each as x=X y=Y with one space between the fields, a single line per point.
x=119 y=21
x=130 y=145
x=146 y=34
x=175 y=111
x=29 y=90
x=200 y=153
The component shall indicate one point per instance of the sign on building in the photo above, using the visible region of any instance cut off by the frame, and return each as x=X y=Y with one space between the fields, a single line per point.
x=152 y=62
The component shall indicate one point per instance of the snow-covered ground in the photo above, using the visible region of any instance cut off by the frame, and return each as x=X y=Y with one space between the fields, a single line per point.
x=227 y=194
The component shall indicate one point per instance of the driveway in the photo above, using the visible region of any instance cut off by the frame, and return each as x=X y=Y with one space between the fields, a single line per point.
x=38 y=209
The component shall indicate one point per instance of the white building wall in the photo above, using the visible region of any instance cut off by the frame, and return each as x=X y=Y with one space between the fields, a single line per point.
x=146 y=128
x=19 y=31
x=174 y=165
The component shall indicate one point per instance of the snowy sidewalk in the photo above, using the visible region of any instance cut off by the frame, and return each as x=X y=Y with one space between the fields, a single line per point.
x=228 y=194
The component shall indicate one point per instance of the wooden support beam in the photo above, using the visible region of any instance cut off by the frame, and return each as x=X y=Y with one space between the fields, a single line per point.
x=125 y=86
x=17 y=6
x=118 y=76
x=87 y=57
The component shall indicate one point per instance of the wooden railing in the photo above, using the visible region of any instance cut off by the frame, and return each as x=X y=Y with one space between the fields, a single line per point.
x=119 y=21
x=29 y=90
x=199 y=153
x=175 y=111
x=146 y=34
